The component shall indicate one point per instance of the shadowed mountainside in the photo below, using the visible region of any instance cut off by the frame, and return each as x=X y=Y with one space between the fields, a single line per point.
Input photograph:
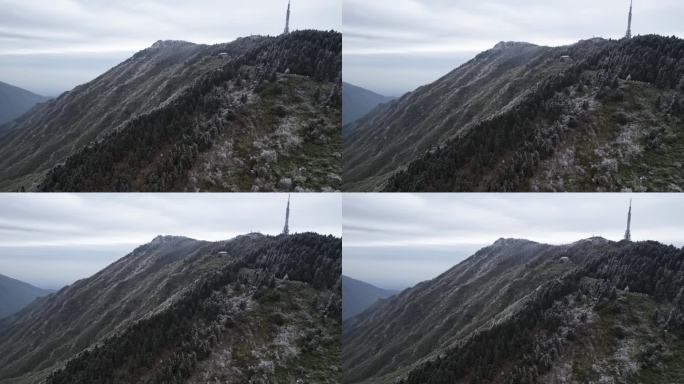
x=15 y=295
x=14 y=102
x=358 y=295
x=357 y=102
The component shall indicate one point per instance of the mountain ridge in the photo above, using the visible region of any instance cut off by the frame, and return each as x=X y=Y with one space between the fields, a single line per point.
x=256 y=113
x=592 y=116
x=14 y=102
x=186 y=284
x=358 y=295
x=16 y=294
x=504 y=297
x=358 y=101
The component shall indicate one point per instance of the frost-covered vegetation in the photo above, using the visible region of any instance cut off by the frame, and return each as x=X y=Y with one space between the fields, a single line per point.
x=519 y=312
x=256 y=309
x=522 y=118
x=260 y=113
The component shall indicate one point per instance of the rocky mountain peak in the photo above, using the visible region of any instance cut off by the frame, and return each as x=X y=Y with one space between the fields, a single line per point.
x=511 y=241
x=169 y=44
x=167 y=239
x=512 y=45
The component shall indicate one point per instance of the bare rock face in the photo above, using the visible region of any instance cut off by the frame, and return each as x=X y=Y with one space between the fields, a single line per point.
x=184 y=117
x=509 y=120
x=250 y=309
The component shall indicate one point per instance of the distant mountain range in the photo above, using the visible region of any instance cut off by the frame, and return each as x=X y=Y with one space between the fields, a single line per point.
x=598 y=115
x=358 y=295
x=522 y=312
x=254 y=308
x=15 y=295
x=357 y=102
x=15 y=101
x=257 y=114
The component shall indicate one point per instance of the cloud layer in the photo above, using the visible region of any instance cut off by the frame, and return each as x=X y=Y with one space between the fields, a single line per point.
x=397 y=240
x=87 y=30
x=53 y=239
x=445 y=33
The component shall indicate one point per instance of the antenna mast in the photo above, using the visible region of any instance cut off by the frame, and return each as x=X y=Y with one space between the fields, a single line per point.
x=287 y=19
x=286 y=230
x=629 y=22
x=628 y=234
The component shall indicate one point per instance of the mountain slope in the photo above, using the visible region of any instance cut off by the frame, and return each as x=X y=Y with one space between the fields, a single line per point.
x=257 y=113
x=357 y=102
x=15 y=101
x=180 y=310
x=596 y=115
x=522 y=312
x=358 y=295
x=15 y=294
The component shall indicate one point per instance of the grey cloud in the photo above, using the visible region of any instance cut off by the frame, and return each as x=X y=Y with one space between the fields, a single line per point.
x=67 y=30
x=65 y=228
x=404 y=28
x=432 y=232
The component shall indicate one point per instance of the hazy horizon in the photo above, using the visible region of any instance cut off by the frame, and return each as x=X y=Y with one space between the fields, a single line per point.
x=51 y=47
x=394 y=241
x=51 y=240
x=394 y=46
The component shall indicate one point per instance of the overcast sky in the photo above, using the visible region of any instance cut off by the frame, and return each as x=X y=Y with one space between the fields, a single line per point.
x=397 y=240
x=51 y=240
x=394 y=46
x=49 y=47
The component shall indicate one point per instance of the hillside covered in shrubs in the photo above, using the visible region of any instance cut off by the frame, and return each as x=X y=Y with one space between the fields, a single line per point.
x=256 y=308
x=257 y=114
x=599 y=115
x=594 y=311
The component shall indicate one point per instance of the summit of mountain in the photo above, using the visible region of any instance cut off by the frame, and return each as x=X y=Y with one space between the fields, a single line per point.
x=597 y=115
x=182 y=310
x=519 y=311
x=512 y=45
x=259 y=113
